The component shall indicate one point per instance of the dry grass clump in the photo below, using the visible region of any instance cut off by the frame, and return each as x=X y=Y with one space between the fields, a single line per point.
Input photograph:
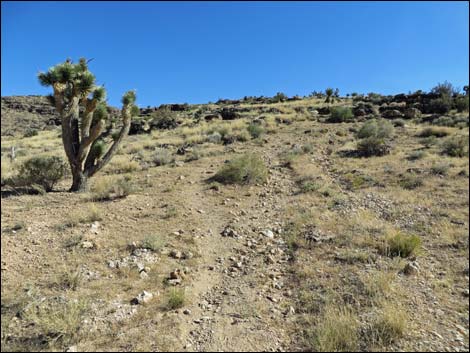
x=111 y=188
x=337 y=331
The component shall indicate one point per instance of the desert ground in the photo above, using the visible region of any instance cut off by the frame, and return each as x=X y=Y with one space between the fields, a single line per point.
x=312 y=246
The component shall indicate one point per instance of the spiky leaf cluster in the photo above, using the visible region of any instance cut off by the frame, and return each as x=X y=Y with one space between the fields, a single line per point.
x=72 y=80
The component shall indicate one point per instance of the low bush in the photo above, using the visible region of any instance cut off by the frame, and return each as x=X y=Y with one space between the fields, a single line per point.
x=433 y=131
x=255 y=130
x=456 y=146
x=44 y=171
x=247 y=169
x=376 y=128
x=340 y=114
x=373 y=146
x=162 y=156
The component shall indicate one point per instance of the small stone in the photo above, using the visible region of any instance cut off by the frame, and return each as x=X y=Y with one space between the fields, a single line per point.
x=268 y=233
x=72 y=349
x=176 y=254
x=188 y=255
x=94 y=227
x=87 y=244
x=143 y=275
x=143 y=297
x=187 y=312
x=111 y=264
x=411 y=268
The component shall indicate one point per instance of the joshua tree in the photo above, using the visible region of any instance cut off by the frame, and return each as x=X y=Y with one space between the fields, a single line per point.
x=329 y=95
x=82 y=109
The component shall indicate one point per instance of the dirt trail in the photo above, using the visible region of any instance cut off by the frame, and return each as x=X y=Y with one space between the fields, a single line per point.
x=239 y=300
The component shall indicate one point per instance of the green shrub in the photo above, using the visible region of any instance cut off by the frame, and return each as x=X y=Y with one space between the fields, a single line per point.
x=376 y=128
x=411 y=182
x=415 y=155
x=456 y=146
x=440 y=169
x=403 y=245
x=153 y=242
x=247 y=169
x=373 y=146
x=429 y=141
x=461 y=104
x=255 y=130
x=30 y=132
x=440 y=105
x=43 y=171
x=340 y=114
x=163 y=118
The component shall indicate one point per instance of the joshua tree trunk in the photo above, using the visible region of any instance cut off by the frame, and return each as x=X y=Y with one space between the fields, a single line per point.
x=79 y=181
x=82 y=108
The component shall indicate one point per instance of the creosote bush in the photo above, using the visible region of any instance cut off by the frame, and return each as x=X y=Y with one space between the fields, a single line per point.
x=376 y=128
x=455 y=146
x=340 y=114
x=247 y=169
x=433 y=131
x=374 y=137
x=44 y=171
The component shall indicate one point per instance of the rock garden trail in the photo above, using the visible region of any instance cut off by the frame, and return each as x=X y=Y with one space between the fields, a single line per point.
x=240 y=301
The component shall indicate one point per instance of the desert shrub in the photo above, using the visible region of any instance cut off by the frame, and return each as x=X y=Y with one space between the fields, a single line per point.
x=340 y=114
x=214 y=137
x=411 y=182
x=403 y=245
x=153 y=242
x=111 y=188
x=308 y=184
x=30 y=132
x=176 y=298
x=440 y=105
x=433 y=131
x=123 y=165
x=398 y=123
x=279 y=97
x=164 y=118
x=461 y=104
x=440 y=169
x=452 y=121
x=456 y=146
x=247 y=169
x=415 y=155
x=44 y=171
x=429 y=141
x=255 y=130
x=445 y=89
x=336 y=332
x=373 y=146
x=162 y=156
x=375 y=128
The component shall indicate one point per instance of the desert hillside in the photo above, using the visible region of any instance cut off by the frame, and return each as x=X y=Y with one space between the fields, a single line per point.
x=259 y=224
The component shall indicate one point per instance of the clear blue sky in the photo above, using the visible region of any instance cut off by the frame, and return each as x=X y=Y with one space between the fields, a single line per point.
x=197 y=52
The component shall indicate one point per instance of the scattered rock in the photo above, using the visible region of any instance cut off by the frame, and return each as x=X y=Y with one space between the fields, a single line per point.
x=268 y=233
x=143 y=297
x=411 y=268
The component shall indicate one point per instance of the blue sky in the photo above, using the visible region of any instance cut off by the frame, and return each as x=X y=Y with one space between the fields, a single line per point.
x=197 y=52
